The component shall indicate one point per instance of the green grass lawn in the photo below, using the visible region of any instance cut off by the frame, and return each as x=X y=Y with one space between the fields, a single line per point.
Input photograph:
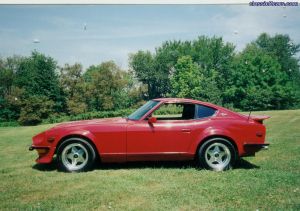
x=269 y=181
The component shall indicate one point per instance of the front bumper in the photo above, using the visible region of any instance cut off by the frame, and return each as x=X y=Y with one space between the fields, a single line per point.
x=251 y=148
x=45 y=153
x=31 y=148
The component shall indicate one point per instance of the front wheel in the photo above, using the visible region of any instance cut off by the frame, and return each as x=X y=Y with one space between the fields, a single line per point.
x=76 y=155
x=217 y=154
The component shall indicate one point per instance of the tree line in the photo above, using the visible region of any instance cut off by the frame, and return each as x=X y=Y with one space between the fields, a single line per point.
x=264 y=75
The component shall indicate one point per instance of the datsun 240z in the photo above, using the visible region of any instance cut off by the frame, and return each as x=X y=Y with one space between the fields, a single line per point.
x=160 y=130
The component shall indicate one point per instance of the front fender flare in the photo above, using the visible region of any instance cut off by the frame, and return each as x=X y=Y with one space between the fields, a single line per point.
x=82 y=133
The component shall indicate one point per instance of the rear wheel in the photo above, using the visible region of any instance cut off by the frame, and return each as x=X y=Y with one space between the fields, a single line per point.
x=217 y=154
x=76 y=155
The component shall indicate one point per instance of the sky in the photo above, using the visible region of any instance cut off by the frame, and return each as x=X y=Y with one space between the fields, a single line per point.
x=115 y=31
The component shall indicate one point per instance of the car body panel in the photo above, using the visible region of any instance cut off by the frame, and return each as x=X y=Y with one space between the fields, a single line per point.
x=166 y=138
x=121 y=139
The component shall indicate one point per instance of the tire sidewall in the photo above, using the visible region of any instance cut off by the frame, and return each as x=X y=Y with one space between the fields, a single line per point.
x=202 y=149
x=89 y=148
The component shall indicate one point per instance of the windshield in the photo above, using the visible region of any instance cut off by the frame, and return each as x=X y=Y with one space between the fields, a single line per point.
x=142 y=110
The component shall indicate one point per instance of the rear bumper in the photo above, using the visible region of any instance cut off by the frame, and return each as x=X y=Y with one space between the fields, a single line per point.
x=251 y=148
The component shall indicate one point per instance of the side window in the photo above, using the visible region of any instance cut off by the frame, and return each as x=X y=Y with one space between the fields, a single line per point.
x=204 y=111
x=175 y=111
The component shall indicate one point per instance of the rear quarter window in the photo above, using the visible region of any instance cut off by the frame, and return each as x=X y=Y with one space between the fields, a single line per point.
x=204 y=111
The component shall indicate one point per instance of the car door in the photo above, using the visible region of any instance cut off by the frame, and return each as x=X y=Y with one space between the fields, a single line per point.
x=166 y=139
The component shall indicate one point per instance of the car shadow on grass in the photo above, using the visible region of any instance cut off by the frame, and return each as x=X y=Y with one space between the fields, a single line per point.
x=146 y=164
x=244 y=164
x=46 y=167
x=241 y=164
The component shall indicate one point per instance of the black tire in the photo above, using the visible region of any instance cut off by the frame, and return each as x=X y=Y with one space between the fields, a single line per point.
x=75 y=151
x=217 y=154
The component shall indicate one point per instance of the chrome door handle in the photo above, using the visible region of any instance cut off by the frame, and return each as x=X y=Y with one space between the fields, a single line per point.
x=185 y=130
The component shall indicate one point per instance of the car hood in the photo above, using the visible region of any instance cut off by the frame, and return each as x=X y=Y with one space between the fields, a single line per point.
x=106 y=121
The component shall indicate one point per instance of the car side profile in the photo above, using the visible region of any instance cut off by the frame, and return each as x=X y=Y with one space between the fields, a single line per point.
x=163 y=129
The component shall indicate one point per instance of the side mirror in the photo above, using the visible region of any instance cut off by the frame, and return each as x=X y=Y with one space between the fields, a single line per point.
x=152 y=120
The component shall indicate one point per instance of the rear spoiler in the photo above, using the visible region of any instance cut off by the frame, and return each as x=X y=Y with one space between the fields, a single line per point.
x=259 y=118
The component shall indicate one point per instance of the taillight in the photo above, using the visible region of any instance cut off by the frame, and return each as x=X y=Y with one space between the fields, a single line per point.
x=259 y=121
x=259 y=134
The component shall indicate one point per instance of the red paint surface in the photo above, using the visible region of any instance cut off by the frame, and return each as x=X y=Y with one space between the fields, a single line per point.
x=121 y=140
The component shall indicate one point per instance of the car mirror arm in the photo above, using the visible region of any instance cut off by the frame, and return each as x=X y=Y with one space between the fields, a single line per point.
x=152 y=120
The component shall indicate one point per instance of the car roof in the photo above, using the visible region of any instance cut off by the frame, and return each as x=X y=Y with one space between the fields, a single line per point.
x=186 y=100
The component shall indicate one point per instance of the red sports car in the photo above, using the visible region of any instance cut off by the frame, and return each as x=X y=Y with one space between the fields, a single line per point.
x=162 y=129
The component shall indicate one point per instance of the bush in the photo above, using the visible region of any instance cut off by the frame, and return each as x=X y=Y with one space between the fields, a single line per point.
x=9 y=124
x=169 y=109
x=89 y=115
x=34 y=109
x=75 y=107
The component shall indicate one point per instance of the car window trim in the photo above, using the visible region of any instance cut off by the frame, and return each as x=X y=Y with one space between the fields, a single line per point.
x=151 y=110
x=163 y=103
x=208 y=117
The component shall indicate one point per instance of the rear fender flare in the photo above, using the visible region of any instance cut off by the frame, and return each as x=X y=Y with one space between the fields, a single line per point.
x=213 y=132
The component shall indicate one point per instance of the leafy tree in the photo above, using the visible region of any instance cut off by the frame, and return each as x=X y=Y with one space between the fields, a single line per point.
x=144 y=68
x=215 y=56
x=129 y=93
x=192 y=81
x=74 y=87
x=6 y=79
x=8 y=69
x=108 y=87
x=70 y=78
x=37 y=75
x=211 y=54
x=10 y=95
x=76 y=106
x=12 y=104
x=265 y=75
x=104 y=81
x=187 y=78
x=257 y=82
x=285 y=51
x=166 y=57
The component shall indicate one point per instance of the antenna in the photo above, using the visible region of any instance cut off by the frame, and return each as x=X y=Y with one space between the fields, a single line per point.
x=251 y=107
x=249 y=115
